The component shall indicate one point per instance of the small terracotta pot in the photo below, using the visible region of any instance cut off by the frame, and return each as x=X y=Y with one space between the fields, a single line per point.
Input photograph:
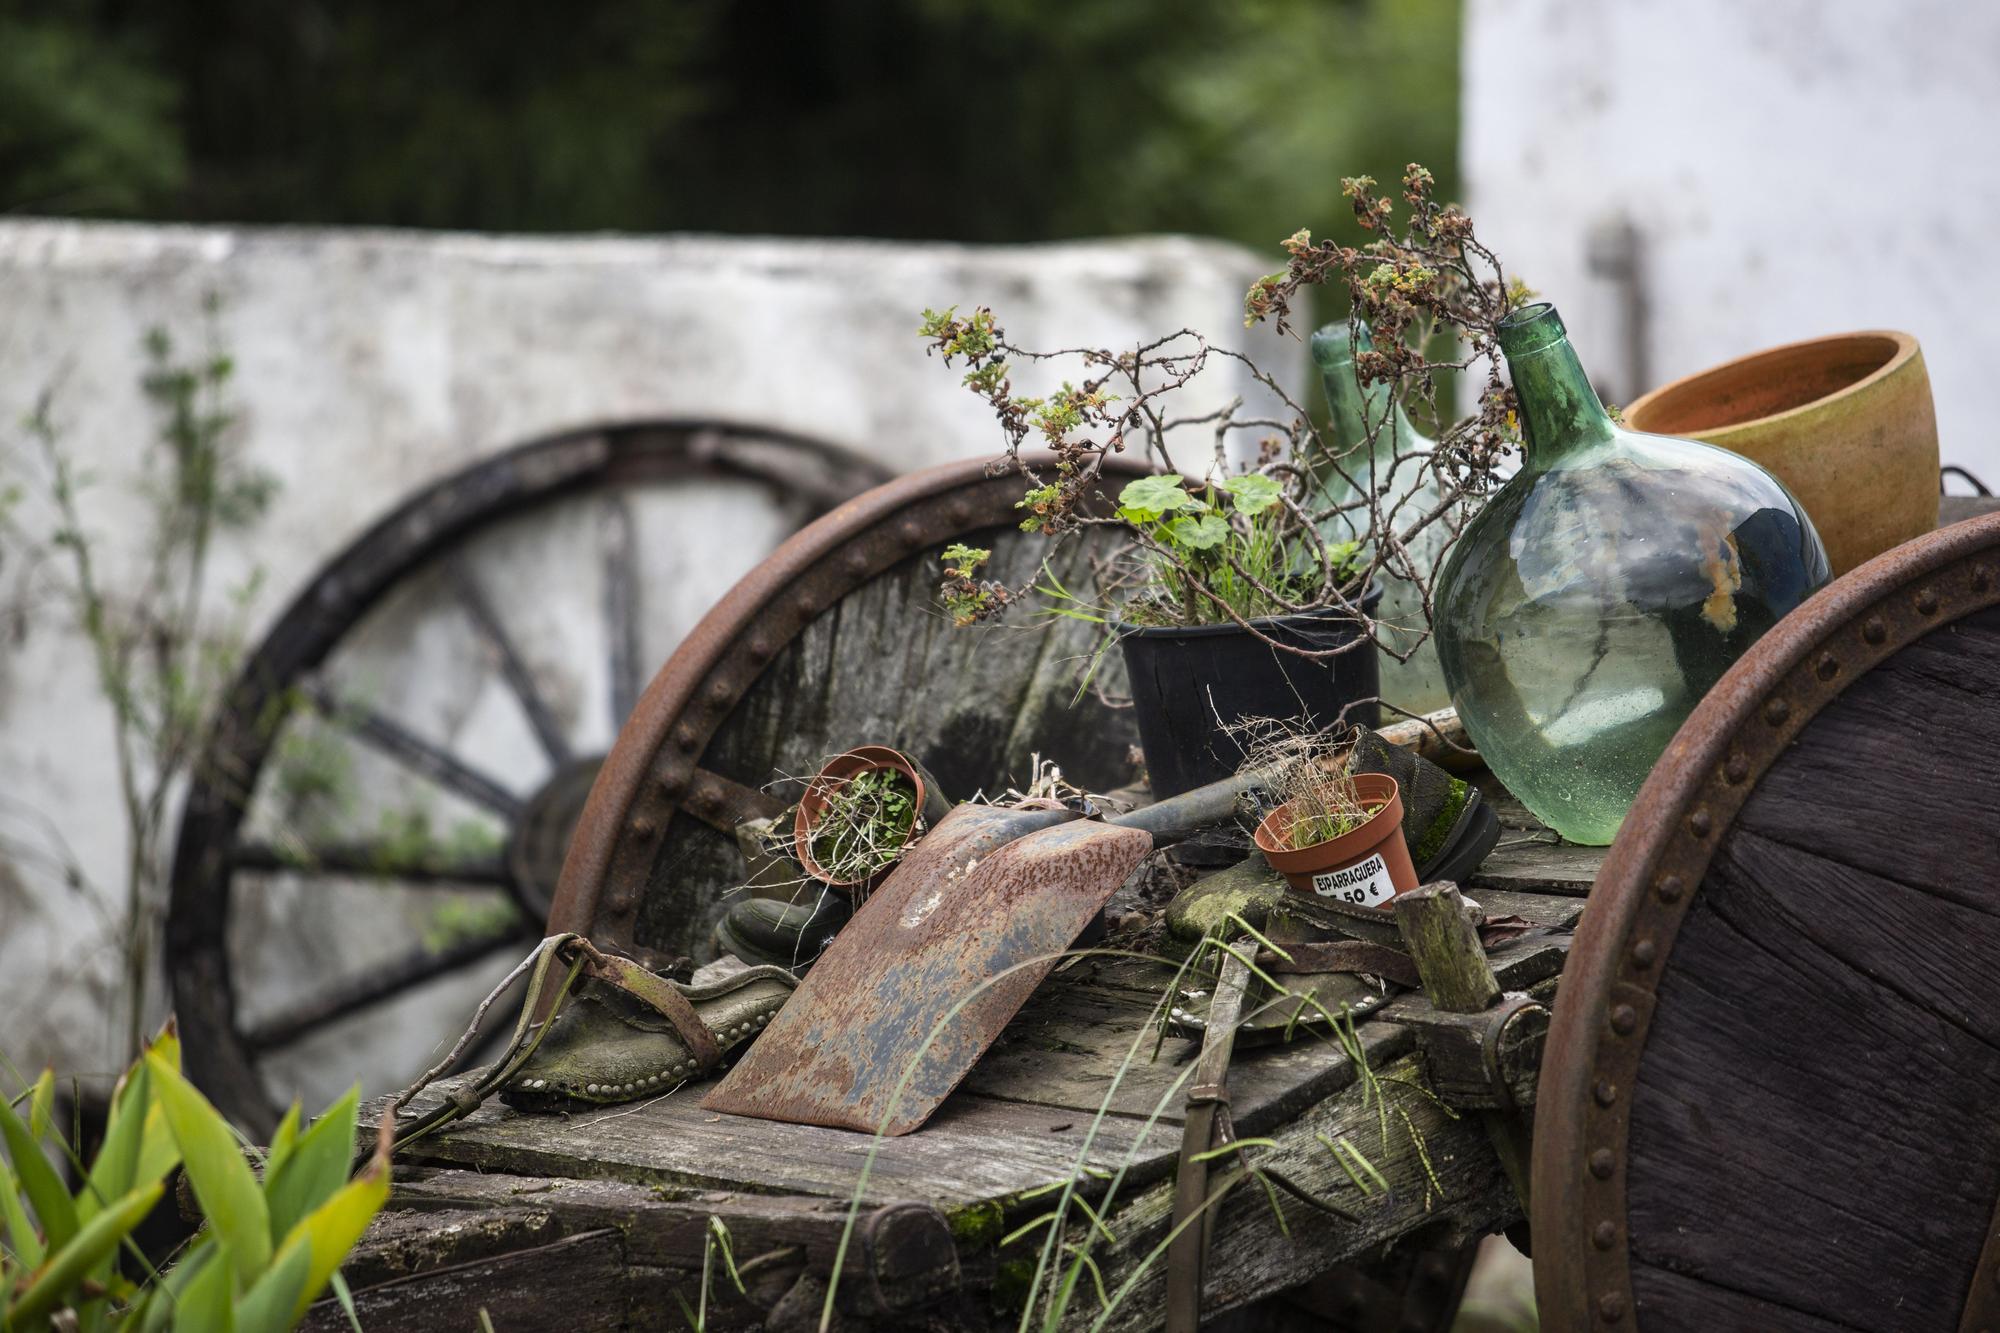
x=1845 y=422
x=1364 y=867
x=931 y=806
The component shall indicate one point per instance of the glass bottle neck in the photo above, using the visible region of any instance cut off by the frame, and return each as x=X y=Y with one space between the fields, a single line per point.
x=1351 y=407
x=1559 y=411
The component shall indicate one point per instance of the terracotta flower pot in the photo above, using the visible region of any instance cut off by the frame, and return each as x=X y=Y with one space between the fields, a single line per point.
x=1363 y=867
x=929 y=803
x=1845 y=422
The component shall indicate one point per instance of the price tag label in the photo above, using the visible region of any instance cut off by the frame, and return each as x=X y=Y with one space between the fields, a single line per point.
x=1366 y=883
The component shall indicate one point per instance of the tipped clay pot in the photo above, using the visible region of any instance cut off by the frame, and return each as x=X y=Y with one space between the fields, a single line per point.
x=1845 y=422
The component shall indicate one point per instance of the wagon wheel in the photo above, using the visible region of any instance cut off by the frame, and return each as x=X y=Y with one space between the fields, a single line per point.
x=835 y=639
x=455 y=674
x=1768 y=1101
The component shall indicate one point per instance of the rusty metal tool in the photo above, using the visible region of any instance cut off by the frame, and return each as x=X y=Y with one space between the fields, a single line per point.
x=942 y=955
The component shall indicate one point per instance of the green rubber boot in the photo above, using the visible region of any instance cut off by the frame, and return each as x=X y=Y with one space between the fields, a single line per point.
x=783 y=934
x=1448 y=827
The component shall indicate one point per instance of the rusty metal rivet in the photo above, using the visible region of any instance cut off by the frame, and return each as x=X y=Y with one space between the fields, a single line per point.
x=1829 y=666
x=1606 y=1092
x=1927 y=601
x=856 y=562
x=644 y=828
x=721 y=692
x=1644 y=952
x=1776 y=711
x=1605 y=1236
x=1611 y=1307
x=1699 y=823
x=1623 y=1019
x=761 y=647
x=1737 y=769
x=1669 y=888
x=621 y=901
x=686 y=737
x=1873 y=630
x=1982 y=579
x=960 y=510
x=1602 y=1164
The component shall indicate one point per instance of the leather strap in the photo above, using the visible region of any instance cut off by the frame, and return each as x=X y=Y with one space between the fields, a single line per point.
x=661 y=996
x=540 y=1005
x=1206 y=1126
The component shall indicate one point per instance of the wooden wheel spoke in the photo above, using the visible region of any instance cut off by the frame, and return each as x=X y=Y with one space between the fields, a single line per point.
x=514 y=668
x=377 y=985
x=621 y=610
x=369 y=860
x=397 y=742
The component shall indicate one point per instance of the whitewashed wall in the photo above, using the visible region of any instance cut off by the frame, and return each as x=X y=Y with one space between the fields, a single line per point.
x=1791 y=168
x=370 y=363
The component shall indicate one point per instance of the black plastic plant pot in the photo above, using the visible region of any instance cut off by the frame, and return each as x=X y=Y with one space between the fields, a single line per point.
x=1190 y=685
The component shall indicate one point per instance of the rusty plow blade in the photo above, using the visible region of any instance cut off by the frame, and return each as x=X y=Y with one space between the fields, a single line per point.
x=940 y=958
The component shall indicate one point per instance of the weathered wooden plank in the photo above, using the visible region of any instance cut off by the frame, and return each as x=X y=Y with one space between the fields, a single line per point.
x=973 y=1150
x=1681 y=1303
x=1529 y=861
x=1255 y=1256
x=1787 y=1099
x=1557 y=911
x=1878 y=754
x=1067 y=1044
x=899 y=1257
x=1935 y=949
x=581 y=1283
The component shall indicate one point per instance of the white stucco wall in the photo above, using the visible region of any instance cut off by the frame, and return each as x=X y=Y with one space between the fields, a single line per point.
x=1792 y=168
x=370 y=363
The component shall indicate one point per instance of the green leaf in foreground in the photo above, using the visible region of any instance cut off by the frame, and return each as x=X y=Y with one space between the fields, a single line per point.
x=223 y=1182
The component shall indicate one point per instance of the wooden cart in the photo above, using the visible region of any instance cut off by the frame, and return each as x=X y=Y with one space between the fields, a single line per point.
x=1765 y=1102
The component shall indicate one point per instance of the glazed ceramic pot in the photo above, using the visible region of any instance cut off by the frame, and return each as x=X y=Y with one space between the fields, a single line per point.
x=1845 y=422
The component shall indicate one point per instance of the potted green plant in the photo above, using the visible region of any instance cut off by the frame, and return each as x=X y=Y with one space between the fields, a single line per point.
x=860 y=813
x=1250 y=583
x=1340 y=837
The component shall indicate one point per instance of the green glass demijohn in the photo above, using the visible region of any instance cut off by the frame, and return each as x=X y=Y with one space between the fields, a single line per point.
x=1603 y=589
x=1417 y=684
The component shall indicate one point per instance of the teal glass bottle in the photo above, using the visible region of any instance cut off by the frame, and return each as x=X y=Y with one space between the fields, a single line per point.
x=1604 y=588
x=1416 y=684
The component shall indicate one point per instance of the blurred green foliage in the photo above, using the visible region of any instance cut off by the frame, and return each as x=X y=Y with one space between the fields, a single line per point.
x=978 y=120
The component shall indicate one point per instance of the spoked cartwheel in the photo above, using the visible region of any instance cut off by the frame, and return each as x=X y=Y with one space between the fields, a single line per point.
x=1768 y=1101
x=380 y=813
